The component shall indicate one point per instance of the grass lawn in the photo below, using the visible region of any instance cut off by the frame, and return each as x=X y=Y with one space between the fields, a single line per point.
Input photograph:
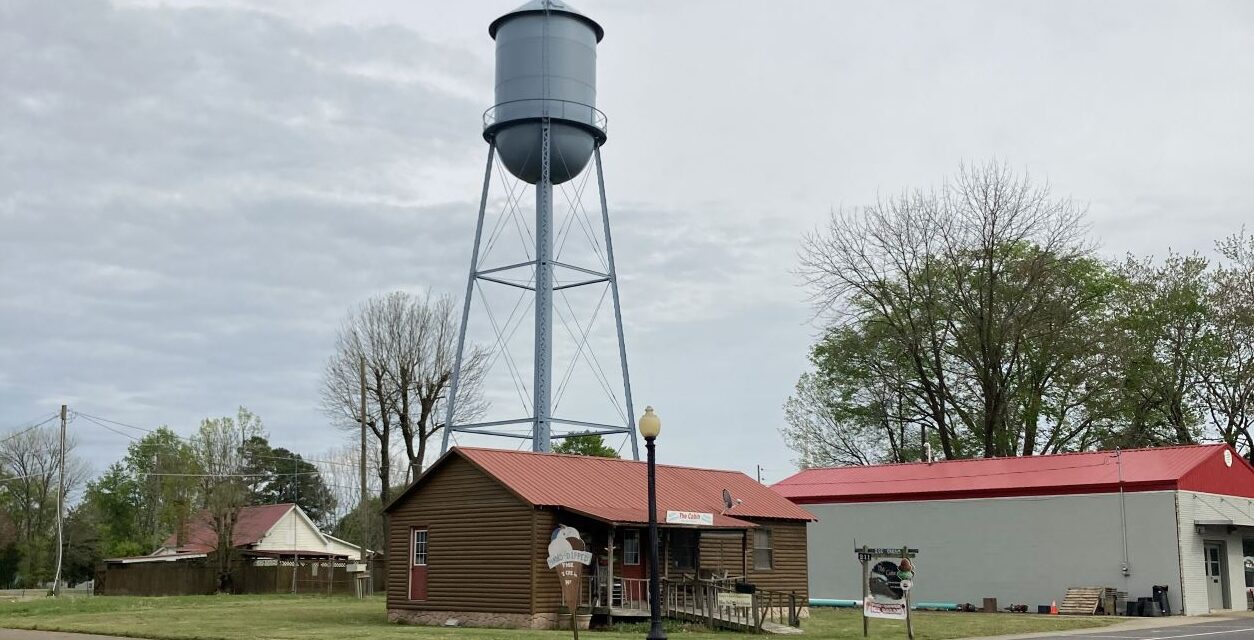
x=324 y=618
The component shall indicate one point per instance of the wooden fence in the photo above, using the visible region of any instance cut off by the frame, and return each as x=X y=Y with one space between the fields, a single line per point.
x=199 y=576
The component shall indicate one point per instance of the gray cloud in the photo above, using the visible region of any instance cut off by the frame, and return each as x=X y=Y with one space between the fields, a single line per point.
x=192 y=193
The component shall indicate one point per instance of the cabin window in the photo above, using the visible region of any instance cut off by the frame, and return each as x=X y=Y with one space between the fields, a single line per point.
x=763 y=551
x=420 y=547
x=631 y=546
x=683 y=549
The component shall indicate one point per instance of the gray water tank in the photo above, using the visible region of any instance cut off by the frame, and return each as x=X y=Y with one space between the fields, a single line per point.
x=546 y=65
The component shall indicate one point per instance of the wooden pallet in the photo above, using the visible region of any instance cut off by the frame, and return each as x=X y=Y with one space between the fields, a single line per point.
x=1081 y=601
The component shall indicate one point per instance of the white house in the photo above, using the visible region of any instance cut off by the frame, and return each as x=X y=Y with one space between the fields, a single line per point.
x=278 y=529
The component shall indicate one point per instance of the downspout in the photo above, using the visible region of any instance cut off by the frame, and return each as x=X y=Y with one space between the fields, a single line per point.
x=1123 y=512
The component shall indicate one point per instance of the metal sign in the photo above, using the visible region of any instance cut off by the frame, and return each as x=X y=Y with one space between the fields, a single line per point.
x=568 y=555
x=690 y=517
x=887 y=552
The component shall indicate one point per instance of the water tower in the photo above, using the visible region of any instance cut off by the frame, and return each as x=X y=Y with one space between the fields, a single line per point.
x=544 y=129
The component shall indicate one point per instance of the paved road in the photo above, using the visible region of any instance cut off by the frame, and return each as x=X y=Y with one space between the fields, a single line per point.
x=1202 y=629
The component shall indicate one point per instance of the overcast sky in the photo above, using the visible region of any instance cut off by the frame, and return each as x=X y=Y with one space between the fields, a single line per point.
x=191 y=195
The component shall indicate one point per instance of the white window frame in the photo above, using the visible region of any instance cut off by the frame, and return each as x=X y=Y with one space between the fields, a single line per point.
x=769 y=549
x=415 y=543
x=631 y=535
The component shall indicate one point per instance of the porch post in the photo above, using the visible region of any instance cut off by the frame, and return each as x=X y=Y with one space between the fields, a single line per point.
x=609 y=574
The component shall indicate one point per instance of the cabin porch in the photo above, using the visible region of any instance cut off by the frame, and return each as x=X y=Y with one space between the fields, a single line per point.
x=616 y=584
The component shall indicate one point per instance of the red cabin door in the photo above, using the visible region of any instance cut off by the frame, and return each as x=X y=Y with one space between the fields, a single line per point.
x=633 y=555
x=418 y=564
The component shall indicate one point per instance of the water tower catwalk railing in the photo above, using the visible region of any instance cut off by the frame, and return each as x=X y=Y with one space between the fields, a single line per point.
x=536 y=108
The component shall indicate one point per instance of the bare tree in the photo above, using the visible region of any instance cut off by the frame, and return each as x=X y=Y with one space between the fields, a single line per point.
x=409 y=346
x=29 y=461
x=974 y=288
x=221 y=454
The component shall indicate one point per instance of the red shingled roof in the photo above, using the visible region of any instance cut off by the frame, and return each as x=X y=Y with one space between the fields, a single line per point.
x=253 y=524
x=1190 y=468
x=615 y=490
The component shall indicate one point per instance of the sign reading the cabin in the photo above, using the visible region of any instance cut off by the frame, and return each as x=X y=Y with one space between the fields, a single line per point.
x=735 y=599
x=690 y=517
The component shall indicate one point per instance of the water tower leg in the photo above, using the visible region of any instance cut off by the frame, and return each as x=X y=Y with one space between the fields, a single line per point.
x=541 y=433
x=618 y=310
x=451 y=403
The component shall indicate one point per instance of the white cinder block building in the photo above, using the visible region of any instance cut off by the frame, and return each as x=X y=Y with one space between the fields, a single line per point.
x=1024 y=529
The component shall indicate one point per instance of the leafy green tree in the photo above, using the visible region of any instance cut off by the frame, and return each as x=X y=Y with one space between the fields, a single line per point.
x=587 y=444
x=348 y=527
x=279 y=475
x=1162 y=316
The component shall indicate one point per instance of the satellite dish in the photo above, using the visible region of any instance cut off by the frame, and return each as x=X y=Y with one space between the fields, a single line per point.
x=728 y=503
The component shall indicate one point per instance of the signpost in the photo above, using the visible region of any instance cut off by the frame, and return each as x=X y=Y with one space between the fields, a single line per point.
x=886 y=584
x=568 y=555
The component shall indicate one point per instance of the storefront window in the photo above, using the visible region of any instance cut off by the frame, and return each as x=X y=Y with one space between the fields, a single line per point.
x=1247 y=548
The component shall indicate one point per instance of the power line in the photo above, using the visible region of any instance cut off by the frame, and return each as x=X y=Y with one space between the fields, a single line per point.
x=41 y=419
x=30 y=428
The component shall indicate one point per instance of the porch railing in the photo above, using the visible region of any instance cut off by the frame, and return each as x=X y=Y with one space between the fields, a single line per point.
x=625 y=593
x=632 y=593
x=718 y=605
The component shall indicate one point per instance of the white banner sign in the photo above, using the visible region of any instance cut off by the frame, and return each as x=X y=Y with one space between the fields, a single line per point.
x=690 y=517
x=872 y=608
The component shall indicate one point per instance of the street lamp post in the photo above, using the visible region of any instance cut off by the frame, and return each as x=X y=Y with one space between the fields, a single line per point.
x=650 y=427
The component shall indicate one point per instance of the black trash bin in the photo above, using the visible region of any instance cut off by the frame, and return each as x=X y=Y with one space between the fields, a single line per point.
x=746 y=587
x=1160 y=596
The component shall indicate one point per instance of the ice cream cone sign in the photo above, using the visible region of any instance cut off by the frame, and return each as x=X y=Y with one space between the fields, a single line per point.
x=568 y=555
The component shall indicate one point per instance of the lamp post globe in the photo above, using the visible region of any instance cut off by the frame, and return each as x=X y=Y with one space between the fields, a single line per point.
x=650 y=426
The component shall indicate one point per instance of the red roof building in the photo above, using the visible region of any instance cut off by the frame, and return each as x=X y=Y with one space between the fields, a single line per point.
x=1189 y=468
x=1176 y=516
x=476 y=528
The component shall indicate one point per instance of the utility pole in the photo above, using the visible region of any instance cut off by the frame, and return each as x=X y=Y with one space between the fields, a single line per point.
x=365 y=515
x=56 y=580
x=759 y=474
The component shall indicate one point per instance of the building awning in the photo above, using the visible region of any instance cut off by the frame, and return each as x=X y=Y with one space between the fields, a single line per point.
x=1213 y=523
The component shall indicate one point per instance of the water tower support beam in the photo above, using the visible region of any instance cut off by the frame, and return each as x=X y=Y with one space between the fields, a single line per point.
x=470 y=289
x=618 y=309
x=540 y=440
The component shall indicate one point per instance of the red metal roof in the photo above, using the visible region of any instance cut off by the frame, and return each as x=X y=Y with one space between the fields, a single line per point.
x=616 y=490
x=1193 y=468
x=253 y=523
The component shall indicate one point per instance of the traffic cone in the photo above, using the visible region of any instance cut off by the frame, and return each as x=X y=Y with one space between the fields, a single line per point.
x=1053 y=608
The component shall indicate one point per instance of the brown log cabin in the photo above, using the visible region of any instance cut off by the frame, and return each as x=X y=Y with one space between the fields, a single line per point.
x=474 y=531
